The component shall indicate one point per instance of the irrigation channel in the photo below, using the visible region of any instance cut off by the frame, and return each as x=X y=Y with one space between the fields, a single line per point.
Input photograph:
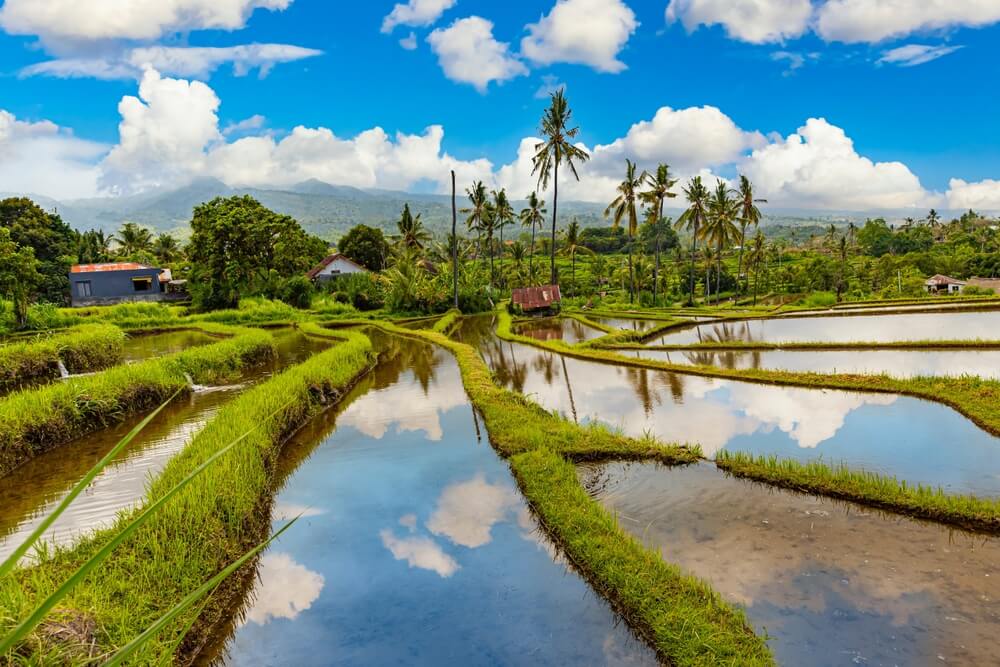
x=33 y=489
x=415 y=546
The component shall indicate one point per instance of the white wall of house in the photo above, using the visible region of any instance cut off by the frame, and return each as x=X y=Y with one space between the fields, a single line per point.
x=338 y=267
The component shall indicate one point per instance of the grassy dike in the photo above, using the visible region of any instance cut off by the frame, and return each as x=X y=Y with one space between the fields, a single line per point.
x=212 y=522
x=85 y=349
x=681 y=617
x=37 y=420
x=750 y=346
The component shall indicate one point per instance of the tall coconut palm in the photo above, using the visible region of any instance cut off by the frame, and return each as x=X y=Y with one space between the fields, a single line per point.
x=572 y=246
x=488 y=225
x=757 y=254
x=693 y=219
x=166 y=248
x=934 y=222
x=749 y=215
x=504 y=215
x=555 y=150
x=533 y=216
x=479 y=201
x=411 y=230
x=133 y=239
x=658 y=188
x=624 y=208
x=721 y=229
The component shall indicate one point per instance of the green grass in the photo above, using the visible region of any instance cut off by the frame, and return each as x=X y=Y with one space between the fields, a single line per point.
x=211 y=523
x=972 y=344
x=37 y=420
x=83 y=350
x=583 y=319
x=868 y=488
x=686 y=621
x=632 y=337
x=448 y=322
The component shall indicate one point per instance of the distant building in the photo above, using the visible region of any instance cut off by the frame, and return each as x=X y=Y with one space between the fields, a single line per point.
x=946 y=284
x=536 y=299
x=118 y=282
x=333 y=266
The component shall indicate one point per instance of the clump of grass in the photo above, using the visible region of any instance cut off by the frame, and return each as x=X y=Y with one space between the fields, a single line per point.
x=583 y=319
x=869 y=488
x=36 y=420
x=211 y=523
x=686 y=621
x=253 y=310
x=971 y=343
x=448 y=322
x=620 y=337
x=83 y=350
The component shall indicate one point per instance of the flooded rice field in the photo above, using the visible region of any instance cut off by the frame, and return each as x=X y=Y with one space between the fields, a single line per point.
x=415 y=546
x=830 y=583
x=139 y=347
x=916 y=440
x=971 y=325
x=35 y=488
x=557 y=328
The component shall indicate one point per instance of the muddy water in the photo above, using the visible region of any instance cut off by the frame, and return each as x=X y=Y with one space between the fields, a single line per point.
x=831 y=583
x=919 y=441
x=34 y=489
x=897 y=363
x=146 y=346
x=855 y=328
x=415 y=546
x=558 y=328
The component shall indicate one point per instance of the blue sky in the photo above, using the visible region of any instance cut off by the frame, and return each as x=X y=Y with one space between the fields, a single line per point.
x=763 y=67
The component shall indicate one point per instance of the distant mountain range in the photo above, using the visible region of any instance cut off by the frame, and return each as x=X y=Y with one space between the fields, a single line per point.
x=330 y=210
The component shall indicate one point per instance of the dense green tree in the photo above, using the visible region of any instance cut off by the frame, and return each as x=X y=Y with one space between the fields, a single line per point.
x=166 y=249
x=240 y=247
x=94 y=247
x=19 y=276
x=366 y=246
x=557 y=148
x=875 y=237
x=133 y=239
x=53 y=241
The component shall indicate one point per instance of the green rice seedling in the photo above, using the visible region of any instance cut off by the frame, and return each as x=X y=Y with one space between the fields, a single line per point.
x=448 y=322
x=83 y=350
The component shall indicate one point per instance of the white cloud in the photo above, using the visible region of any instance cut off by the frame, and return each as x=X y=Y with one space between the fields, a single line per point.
x=468 y=53
x=584 y=32
x=420 y=552
x=818 y=167
x=915 y=54
x=467 y=511
x=417 y=13
x=72 y=21
x=982 y=195
x=286 y=589
x=754 y=21
x=194 y=62
x=878 y=20
x=409 y=42
x=795 y=60
x=42 y=158
x=550 y=84
x=254 y=122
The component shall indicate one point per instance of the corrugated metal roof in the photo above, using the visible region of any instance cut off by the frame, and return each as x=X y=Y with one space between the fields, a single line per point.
x=109 y=266
x=534 y=298
x=939 y=279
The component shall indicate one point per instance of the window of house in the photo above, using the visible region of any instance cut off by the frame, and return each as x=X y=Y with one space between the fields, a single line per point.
x=142 y=284
x=83 y=288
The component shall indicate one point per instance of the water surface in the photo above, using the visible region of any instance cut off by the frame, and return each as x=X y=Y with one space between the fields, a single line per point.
x=830 y=583
x=146 y=346
x=557 y=328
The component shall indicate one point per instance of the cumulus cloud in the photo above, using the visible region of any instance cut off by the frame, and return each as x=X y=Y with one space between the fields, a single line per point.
x=194 y=62
x=420 y=552
x=40 y=157
x=467 y=511
x=754 y=21
x=877 y=20
x=286 y=589
x=416 y=13
x=468 y=53
x=70 y=21
x=584 y=32
x=983 y=195
x=254 y=122
x=818 y=167
x=915 y=54
x=409 y=42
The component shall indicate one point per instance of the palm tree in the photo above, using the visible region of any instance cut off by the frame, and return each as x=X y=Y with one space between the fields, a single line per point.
x=571 y=246
x=549 y=154
x=934 y=221
x=533 y=216
x=693 y=219
x=479 y=202
x=623 y=207
x=721 y=228
x=166 y=248
x=133 y=239
x=749 y=215
x=757 y=252
x=411 y=230
x=658 y=186
x=488 y=225
x=504 y=214
x=517 y=255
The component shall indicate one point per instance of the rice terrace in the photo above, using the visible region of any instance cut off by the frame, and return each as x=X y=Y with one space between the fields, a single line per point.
x=682 y=347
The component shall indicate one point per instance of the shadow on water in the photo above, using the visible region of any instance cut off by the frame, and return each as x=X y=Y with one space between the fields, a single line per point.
x=916 y=440
x=33 y=489
x=831 y=583
x=415 y=546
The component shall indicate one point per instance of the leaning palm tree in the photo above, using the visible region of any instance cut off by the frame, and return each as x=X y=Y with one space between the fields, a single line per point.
x=749 y=215
x=721 y=228
x=504 y=215
x=549 y=154
x=658 y=188
x=693 y=219
x=572 y=246
x=411 y=230
x=533 y=216
x=622 y=208
x=478 y=201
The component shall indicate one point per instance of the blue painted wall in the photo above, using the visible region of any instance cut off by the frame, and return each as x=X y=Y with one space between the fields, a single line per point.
x=114 y=286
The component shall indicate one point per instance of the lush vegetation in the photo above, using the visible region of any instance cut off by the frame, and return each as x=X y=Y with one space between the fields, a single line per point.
x=83 y=350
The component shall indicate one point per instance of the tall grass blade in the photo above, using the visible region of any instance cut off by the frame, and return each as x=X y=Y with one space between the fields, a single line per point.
x=137 y=643
x=8 y=565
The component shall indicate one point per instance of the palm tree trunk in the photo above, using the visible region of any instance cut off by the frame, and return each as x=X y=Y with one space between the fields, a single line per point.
x=454 y=240
x=573 y=272
x=631 y=274
x=718 y=276
x=501 y=251
x=739 y=265
x=555 y=209
x=531 y=257
x=489 y=242
x=694 y=251
x=656 y=269
x=756 y=281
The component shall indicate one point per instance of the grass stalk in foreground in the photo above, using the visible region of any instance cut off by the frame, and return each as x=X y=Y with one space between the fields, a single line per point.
x=867 y=488
x=88 y=348
x=208 y=525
